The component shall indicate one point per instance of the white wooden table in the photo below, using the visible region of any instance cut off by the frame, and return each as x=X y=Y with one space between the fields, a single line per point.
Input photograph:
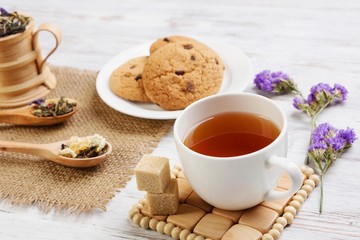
x=313 y=41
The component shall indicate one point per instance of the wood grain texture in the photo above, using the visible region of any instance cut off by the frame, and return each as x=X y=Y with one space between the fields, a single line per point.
x=313 y=41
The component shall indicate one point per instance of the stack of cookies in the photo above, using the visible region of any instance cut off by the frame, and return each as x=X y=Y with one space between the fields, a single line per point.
x=178 y=72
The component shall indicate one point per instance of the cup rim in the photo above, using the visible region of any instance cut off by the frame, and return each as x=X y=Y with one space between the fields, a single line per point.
x=282 y=134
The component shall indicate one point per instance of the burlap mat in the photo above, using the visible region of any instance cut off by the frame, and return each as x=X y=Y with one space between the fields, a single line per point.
x=25 y=179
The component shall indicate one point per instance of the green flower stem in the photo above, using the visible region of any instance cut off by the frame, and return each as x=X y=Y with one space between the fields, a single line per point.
x=313 y=125
x=297 y=91
x=328 y=163
x=318 y=164
x=320 y=110
x=321 y=193
x=294 y=88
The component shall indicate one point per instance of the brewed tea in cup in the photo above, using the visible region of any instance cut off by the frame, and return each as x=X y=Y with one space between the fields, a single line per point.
x=231 y=134
x=233 y=148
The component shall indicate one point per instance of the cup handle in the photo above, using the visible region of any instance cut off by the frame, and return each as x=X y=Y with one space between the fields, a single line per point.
x=56 y=32
x=294 y=172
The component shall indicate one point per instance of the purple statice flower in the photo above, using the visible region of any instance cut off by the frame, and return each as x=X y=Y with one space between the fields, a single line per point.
x=340 y=93
x=330 y=139
x=336 y=143
x=3 y=12
x=348 y=135
x=327 y=144
x=323 y=132
x=317 y=150
x=273 y=82
x=320 y=145
x=319 y=93
x=299 y=104
x=264 y=81
x=38 y=101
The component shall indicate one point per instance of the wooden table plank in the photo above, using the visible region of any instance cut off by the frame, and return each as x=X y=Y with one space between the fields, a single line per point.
x=314 y=41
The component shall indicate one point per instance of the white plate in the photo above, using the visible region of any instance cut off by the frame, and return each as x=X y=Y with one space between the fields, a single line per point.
x=237 y=75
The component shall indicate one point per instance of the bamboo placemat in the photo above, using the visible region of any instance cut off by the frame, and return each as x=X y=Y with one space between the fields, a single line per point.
x=26 y=179
x=198 y=220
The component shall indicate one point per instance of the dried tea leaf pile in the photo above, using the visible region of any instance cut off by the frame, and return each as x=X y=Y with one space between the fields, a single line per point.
x=12 y=23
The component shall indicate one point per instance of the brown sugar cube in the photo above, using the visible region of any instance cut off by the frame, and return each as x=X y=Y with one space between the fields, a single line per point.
x=195 y=200
x=232 y=215
x=213 y=226
x=186 y=217
x=165 y=203
x=277 y=205
x=242 y=232
x=152 y=174
x=146 y=212
x=259 y=217
x=184 y=189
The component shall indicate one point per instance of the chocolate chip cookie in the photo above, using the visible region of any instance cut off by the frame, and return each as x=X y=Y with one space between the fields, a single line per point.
x=170 y=39
x=126 y=81
x=177 y=74
x=185 y=40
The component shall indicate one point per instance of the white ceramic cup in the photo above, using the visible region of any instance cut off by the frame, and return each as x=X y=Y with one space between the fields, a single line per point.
x=238 y=182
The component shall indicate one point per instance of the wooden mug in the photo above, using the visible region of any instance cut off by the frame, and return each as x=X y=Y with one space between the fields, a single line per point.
x=22 y=67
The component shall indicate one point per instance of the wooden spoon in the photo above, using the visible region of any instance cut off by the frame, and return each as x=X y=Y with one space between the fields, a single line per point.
x=50 y=151
x=24 y=116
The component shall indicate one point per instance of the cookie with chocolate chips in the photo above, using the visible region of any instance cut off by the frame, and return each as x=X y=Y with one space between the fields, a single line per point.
x=126 y=81
x=186 y=41
x=170 y=39
x=177 y=74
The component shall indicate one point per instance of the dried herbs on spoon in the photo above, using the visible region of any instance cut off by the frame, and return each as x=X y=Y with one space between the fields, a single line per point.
x=84 y=147
x=53 y=107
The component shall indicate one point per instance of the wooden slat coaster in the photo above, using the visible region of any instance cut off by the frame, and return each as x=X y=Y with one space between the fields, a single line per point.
x=198 y=220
